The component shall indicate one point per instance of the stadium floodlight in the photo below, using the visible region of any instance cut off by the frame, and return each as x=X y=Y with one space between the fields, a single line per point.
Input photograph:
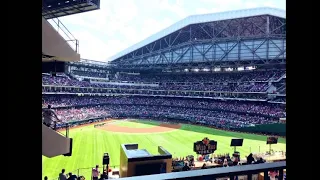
x=217 y=69
x=251 y=67
x=229 y=69
x=186 y=70
x=196 y=70
x=240 y=68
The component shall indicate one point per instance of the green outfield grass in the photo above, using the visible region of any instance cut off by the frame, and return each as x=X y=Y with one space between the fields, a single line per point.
x=89 y=144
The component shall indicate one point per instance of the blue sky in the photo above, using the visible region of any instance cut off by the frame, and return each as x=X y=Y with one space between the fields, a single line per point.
x=121 y=23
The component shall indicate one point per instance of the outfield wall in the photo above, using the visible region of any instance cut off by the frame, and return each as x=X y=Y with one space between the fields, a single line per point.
x=272 y=129
x=276 y=129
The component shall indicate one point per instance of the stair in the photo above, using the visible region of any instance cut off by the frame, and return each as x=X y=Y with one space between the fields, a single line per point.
x=283 y=76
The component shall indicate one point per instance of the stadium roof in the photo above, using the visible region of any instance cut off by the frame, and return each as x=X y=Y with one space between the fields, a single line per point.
x=59 y=8
x=203 y=18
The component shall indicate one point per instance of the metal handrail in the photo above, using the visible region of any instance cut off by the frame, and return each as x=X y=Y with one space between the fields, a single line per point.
x=72 y=39
x=78 y=171
x=59 y=25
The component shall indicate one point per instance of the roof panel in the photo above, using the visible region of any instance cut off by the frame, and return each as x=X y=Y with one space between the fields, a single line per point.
x=195 y=19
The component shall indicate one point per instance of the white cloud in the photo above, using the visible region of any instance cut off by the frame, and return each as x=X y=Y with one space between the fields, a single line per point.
x=152 y=26
x=91 y=47
x=173 y=6
x=203 y=11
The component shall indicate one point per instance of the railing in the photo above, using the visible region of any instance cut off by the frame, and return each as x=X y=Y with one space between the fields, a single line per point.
x=66 y=34
x=87 y=172
x=72 y=41
x=249 y=171
x=65 y=127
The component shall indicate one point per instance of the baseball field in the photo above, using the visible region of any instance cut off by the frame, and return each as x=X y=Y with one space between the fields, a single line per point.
x=89 y=143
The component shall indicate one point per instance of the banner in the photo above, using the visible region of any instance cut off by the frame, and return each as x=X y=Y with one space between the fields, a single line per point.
x=205 y=146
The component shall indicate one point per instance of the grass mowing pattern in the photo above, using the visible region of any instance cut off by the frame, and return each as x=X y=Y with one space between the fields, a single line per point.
x=90 y=143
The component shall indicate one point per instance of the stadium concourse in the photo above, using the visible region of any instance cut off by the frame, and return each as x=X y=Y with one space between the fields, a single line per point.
x=223 y=70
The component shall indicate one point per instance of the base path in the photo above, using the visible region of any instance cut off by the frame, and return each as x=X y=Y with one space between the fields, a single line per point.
x=159 y=128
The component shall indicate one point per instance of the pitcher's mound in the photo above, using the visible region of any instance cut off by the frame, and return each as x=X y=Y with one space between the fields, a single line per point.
x=156 y=129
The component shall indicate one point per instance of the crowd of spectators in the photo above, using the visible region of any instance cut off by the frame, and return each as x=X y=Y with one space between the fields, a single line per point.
x=67 y=176
x=63 y=81
x=213 y=112
x=76 y=114
x=61 y=90
x=231 y=82
x=220 y=119
x=259 y=108
x=209 y=77
x=90 y=74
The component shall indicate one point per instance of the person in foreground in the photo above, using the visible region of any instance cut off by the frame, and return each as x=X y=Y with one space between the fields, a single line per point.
x=72 y=176
x=185 y=167
x=49 y=116
x=250 y=159
x=62 y=176
x=95 y=173
x=204 y=166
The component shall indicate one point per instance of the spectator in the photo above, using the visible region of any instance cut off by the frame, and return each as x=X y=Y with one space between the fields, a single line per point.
x=260 y=161
x=62 y=176
x=104 y=175
x=81 y=178
x=45 y=178
x=185 y=167
x=72 y=176
x=250 y=159
x=273 y=174
x=49 y=116
x=95 y=173
x=225 y=163
x=204 y=166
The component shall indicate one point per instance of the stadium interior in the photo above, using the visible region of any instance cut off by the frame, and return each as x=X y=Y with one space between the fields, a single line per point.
x=223 y=70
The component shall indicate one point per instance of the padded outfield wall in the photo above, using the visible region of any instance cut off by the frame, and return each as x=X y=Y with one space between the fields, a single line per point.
x=276 y=129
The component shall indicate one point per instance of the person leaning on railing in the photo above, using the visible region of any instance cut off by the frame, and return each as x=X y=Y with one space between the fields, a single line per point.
x=49 y=117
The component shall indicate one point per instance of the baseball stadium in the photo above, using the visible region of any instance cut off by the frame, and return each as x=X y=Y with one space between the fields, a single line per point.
x=205 y=93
